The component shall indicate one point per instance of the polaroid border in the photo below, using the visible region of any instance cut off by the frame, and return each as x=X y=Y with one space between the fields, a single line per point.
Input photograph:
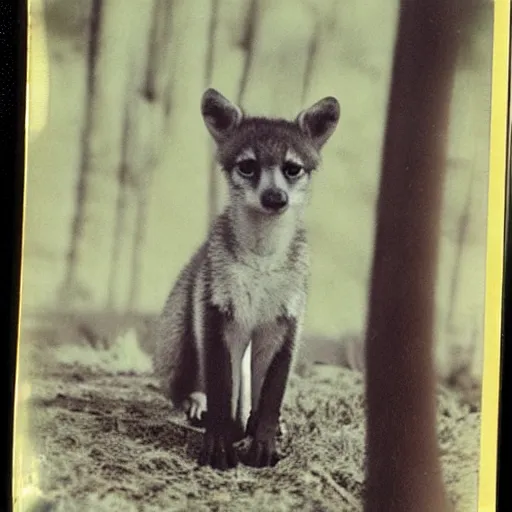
x=487 y=486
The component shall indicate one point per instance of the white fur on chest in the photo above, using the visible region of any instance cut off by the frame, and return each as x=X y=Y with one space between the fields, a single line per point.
x=258 y=292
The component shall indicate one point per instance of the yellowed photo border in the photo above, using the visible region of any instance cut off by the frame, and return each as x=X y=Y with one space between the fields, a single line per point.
x=25 y=475
x=495 y=247
x=37 y=101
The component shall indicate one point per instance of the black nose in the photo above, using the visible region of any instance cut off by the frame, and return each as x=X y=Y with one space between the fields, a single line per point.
x=274 y=199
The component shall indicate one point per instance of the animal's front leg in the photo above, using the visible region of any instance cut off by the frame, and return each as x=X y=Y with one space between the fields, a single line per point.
x=271 y=367
x=218 y=450
x=237 y=341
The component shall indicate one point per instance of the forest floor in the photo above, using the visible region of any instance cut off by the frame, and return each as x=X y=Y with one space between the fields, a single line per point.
x=106 y=440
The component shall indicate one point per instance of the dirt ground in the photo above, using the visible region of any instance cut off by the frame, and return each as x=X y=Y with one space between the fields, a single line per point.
x=106 y=440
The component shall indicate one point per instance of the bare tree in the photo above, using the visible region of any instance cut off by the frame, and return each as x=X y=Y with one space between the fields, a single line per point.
x=276 y=58
x=94 y=222
x=462 y=229
x=213 y=192
x=152 y=125
x=157 y=71
x=144 y=131
x=310 y=59
x=404 y=472
x=120 y=228
x=247 y=43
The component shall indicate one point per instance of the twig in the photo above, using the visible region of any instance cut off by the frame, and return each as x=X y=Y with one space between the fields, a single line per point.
x=320 y=472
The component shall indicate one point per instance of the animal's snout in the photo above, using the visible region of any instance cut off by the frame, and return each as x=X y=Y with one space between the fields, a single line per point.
x=274 y=199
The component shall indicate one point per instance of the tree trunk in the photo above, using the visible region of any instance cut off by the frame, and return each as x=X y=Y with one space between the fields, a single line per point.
x=247 y=43
x=213 y=183
x=462 y=229
x=121 y=220
x=153 y=132
x=144 y=135
x=403 y=468
x=277 y=57
x=146 y=149
x=310 y=59
x=158 y=69
x=460 y=286
x=93 y=228
x=134 y=179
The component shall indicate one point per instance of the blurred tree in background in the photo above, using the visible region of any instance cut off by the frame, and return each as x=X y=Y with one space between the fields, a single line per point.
x=122 y=183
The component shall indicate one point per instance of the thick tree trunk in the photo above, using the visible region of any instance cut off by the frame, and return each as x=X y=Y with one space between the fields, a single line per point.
x=403 y=467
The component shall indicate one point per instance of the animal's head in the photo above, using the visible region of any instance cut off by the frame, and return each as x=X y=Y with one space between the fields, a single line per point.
x=268 y=162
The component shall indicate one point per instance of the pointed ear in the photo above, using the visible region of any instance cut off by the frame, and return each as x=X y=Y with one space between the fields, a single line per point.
x=319 y=121
x=221 y=117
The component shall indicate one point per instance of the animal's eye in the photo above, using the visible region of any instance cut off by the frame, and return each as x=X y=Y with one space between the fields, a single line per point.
x=292 y=170
x=247 y=168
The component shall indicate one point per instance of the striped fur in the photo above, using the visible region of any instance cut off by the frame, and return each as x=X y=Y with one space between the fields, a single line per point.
x=253 y=268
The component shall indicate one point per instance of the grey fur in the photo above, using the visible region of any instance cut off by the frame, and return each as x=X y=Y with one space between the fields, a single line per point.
x=255 y=263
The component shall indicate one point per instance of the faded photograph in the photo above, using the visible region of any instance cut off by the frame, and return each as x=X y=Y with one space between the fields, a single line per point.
x=138 y=182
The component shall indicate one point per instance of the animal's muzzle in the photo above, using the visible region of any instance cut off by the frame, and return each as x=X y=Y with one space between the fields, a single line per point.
x=274 y=199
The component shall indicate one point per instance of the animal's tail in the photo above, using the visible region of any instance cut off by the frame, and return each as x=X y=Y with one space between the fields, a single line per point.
x=175 y=361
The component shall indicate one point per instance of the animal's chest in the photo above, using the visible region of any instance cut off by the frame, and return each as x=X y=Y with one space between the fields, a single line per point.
x=259 y=294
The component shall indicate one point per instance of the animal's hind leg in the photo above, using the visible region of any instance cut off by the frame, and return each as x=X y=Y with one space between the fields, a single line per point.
x=197 y=404
x=183 y=380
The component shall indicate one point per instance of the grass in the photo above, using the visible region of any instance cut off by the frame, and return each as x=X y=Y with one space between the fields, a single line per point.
x=106 y=439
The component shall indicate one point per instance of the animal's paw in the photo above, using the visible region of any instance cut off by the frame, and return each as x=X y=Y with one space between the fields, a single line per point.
x=218 y=451
x=260 y=453
x=259 y=447
x=243 y=445
x=195 y=408
x=252 y=426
